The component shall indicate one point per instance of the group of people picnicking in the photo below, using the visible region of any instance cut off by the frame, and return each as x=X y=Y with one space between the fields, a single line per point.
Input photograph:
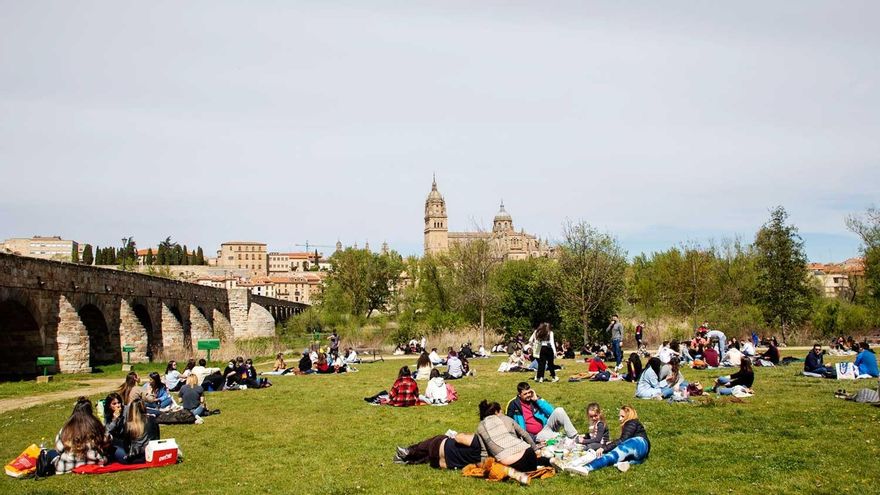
x=405 y=392
x=520 y=435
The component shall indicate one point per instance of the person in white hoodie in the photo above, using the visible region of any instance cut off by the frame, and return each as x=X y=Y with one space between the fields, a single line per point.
x=435 y=393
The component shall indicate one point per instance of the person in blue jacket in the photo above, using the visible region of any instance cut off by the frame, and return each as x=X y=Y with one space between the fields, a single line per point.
x=866 y=361
x=537 y=416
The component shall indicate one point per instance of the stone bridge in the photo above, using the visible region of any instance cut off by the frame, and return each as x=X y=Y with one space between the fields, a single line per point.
x=83 y=315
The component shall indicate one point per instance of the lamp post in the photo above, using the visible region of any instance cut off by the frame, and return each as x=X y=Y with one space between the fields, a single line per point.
x=125 y=242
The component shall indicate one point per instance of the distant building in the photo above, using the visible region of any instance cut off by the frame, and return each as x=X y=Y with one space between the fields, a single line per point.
x=301 y=287
x=244 y=255
x=837 y=279
x=509 y=243
x=49 y=248
x=285 y=263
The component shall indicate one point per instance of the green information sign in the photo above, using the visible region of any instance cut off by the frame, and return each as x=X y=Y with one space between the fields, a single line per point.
x=128 y=349
x=45 y=362
x=208 y=345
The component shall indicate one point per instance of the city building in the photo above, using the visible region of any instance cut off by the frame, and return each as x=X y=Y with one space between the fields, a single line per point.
x=244 y=255
x=49 y=248
x=838 y=279
x=509 y=243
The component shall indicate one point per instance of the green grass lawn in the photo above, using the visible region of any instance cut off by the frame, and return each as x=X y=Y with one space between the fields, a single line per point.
x=315 y=434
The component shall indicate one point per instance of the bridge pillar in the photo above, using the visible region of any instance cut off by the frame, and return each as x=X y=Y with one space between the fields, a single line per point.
x=172 y=335
x=132 y=332
x=200 y=328
x=239 y=304
x=72 y=340
x=222 y=328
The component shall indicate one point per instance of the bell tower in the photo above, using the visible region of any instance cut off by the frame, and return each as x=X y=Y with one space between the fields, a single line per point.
x=436 y=227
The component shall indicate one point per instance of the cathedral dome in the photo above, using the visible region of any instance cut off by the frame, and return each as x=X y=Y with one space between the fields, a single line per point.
x=503 y=215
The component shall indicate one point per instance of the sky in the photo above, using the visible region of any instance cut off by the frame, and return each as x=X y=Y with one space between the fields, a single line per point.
x=287 y=121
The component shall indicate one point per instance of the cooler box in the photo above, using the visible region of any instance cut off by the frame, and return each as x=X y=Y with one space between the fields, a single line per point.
x=162 y=452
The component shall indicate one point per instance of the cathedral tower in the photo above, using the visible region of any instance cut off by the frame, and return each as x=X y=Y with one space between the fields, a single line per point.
x=436 y=227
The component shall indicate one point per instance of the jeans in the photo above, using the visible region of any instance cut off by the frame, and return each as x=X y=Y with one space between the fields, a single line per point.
x=724 y=380
x=618 y=353
x=633 y=449
x=558 y=419
x=199 y=410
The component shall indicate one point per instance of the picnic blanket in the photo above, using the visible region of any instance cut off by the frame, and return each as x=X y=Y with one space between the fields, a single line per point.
x=112 y=467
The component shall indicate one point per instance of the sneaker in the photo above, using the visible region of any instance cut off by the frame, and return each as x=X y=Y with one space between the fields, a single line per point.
x=577 y=471
x=540 y=380
x=554 y=379
x=199 y=420
x=622 y=466
x=400 y=455
x=451 y=433
x=557 y=464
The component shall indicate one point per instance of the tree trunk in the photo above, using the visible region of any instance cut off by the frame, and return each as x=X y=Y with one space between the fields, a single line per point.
x=482 y=328
x=783 y=332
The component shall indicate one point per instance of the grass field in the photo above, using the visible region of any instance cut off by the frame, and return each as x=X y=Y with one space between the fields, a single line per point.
x=315 y=434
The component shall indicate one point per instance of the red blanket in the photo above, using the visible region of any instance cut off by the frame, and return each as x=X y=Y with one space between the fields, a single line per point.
x=111 y=468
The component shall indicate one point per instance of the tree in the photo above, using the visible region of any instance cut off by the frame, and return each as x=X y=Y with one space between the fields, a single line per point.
x=525 y=295
x=88 y=258
x=783 y=288
x=591 y=274
x=200 y=256
x=150 y=258
x=361 y=282
x=99 y=256
x=471 y=265
x=74 y=254
x=867 y=227
x=184 y=258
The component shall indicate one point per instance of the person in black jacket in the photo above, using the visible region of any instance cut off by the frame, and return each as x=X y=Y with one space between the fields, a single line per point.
x=631 y=448
x=140 y=428
x=305 y=363
x=745 y=377
x=814 y=362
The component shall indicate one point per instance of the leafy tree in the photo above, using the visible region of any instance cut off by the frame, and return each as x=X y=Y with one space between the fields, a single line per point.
x=783 y=287
x=361 y=282
x=471 y=265
x=591 y=275
x=150 y=258
x=867 y=227
x=526 y=296
x=88 y=258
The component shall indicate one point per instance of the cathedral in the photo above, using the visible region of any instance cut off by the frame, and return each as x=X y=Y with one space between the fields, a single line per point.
x=511 y=244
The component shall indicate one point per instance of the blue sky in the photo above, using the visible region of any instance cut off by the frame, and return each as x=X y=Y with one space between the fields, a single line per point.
x=292 y=121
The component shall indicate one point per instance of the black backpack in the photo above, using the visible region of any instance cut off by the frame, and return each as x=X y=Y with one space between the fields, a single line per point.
x=45 y=467
x=179 y=417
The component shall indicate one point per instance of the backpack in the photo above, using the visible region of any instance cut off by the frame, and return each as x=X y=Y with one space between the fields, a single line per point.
x=179 y=417
x=45 y=467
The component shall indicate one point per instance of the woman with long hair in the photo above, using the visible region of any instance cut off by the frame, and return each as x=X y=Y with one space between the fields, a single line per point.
x=157 y=389
x=405 y=391
x=423 y=367
x=631 y=448
x=542 y=339
x=633 y=368
x=114 y=418
x=173 y=378
x=744 y=377
x=671 y=378
x=82 y=440
x=649 y=386
x=140 y=428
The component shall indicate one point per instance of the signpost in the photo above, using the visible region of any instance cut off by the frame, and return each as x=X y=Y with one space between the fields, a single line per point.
x=127 y=349
x=45 y=362
x=209 y=345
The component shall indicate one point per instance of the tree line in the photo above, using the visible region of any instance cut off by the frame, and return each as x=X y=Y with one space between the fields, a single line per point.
x=738 y=286
x=167 y=253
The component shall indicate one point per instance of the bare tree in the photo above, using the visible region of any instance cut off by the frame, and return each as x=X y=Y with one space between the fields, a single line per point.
x=472 y=264
x=591 y=272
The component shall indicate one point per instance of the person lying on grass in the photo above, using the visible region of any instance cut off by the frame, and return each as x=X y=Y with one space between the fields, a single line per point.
x=632 y=447
x=744 y=377
x=450 y=451
x=537 y=417
x=82 y=440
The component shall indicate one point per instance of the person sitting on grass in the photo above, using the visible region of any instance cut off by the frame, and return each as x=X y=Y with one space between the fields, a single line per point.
x=190 y=364
x=423 y=367
x=158 y=390
x=454 y=367
x=649 y=385
x=82 y=440
x=351 y=357
x=436 y=360
x=711 y=357
x=748 y=348
x=597 y=435
x=632 y=447
x=770 y=357
x=114 y=419
x=435 y=392
x=451 y=451
x=140 y=428
x=322 y=366
x=192 y=398
x=131 y=389
x=173 y=378
x=405 y=391
x=537 y=417
x=305 y=364
x=252 y=378
x=814 y=362
x=516 y=362
x=744 y=377
x=671 y=379
x=232 y=375
x=633 y=368
x=866 y=362
x=279 y=367
x=505 y=439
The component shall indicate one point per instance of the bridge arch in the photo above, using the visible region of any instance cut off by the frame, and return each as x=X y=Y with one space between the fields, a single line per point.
x=104 y=345
x=143 y=316
x=20 y=340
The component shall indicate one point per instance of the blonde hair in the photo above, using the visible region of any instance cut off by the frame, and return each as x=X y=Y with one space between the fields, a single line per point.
x=137 y=416
x=629 y=414
x=192 y=380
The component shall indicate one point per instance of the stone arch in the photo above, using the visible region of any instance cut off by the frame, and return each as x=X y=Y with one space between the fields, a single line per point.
x=71 y=339
x=222 y=328
x=154 y=345
x=104 y=346
x=172 y=332
x=20 y=340
x=135 y=329
x=200 y=326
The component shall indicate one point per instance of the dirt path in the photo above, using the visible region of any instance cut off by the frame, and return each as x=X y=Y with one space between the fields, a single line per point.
x=98 y=386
